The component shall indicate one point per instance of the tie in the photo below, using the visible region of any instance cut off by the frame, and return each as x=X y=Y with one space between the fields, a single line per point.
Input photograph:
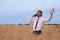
x=36 y=23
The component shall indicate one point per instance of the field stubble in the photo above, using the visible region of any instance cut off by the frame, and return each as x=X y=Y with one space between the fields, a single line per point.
x=24 y=32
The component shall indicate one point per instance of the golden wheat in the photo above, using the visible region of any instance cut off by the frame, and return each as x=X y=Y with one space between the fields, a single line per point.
x=24 y=32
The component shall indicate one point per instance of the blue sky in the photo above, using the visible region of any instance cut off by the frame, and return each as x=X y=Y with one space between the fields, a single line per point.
x=19 y=11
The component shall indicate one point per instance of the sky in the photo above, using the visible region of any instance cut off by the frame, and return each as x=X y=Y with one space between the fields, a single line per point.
x=19 y=11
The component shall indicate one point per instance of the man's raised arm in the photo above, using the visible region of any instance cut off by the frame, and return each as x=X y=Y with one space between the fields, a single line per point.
x=50 y=17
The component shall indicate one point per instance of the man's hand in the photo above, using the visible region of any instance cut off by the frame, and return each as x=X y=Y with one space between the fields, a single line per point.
x=51 y=11
x=34 y=15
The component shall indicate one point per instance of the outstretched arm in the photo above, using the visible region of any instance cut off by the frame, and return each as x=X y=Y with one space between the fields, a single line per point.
x=50 y=17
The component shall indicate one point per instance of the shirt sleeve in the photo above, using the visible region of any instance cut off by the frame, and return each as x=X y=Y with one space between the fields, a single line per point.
x=47 y=19
x=30 y=21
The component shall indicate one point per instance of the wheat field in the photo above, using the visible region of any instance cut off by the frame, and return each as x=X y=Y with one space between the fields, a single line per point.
x=24 y=32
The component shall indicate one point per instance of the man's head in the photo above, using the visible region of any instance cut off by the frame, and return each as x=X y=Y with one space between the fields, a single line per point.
x=39 y=13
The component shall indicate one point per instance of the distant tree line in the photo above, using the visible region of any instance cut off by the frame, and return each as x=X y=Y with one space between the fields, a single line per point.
x=25 y=24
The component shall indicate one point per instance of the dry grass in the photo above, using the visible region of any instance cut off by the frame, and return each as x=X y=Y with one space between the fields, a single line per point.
x=49 y=32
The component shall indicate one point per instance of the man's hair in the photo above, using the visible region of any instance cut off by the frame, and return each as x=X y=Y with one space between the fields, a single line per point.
x=40 y=11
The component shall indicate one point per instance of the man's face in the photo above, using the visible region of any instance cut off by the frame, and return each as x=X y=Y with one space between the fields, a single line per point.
x=39 y=14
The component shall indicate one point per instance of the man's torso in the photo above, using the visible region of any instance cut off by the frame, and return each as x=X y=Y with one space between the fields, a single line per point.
x=39 y=25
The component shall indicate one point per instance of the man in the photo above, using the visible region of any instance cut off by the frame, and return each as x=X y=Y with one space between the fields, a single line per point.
x=38 y=21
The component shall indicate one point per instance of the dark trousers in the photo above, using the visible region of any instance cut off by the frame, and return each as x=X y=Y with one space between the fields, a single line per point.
x=37 y=32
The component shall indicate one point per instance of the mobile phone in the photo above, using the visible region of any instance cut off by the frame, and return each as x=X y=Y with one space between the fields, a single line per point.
x=35 y=15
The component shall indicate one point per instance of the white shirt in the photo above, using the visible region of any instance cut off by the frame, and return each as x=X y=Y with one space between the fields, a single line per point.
x=40 y=22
